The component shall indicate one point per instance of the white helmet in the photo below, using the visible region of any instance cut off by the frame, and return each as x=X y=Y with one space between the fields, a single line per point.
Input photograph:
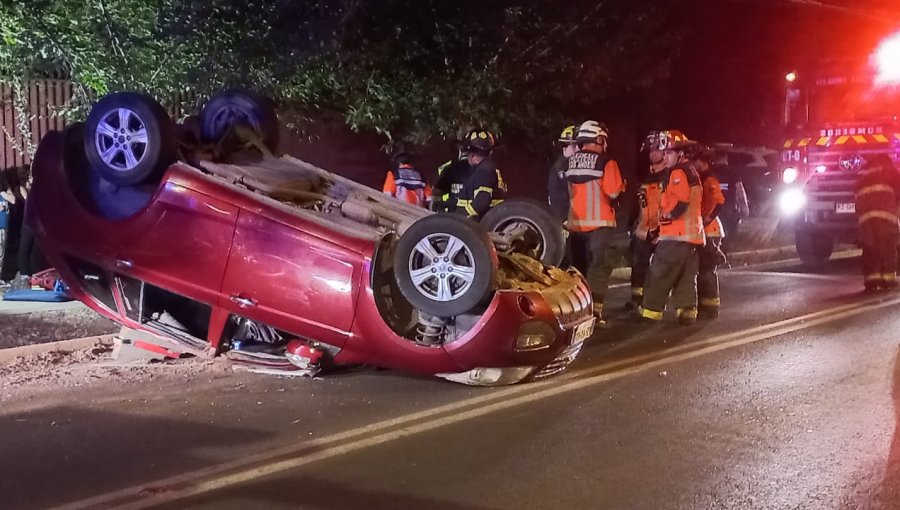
x=592 y=131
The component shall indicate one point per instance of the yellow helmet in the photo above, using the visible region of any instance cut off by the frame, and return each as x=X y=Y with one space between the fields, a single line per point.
x=568 y=134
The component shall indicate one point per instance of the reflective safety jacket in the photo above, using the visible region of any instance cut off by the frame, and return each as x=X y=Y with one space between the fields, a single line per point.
x=649 y=198
x=407 y=184
x=595 y=182
x=712 y=202
x=680 y=216
x=470 y=191
x=877 y=195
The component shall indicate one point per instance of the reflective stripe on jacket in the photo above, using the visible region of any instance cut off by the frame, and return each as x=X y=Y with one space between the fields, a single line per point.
x=877 y=196
x=682 y=185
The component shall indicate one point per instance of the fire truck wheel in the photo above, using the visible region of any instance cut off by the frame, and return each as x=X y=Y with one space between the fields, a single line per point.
x=129 y=138
x=813 y=248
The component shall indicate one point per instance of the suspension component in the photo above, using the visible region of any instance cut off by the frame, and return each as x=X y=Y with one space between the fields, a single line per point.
x=430 y=330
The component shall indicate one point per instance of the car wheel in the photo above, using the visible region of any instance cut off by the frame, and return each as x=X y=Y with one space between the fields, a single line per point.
x=543 y=239
x=129 y=138
x=814 y=249
x=231 y=107
x=445 y=265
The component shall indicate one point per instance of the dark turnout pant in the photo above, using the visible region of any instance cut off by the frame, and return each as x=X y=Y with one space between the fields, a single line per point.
x=595 y=254
x=641 y=252
x=879 y=238
x=673 y=270
x=708 y=279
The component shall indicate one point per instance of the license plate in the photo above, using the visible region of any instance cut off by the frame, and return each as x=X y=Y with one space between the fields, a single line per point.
x=583 y=331
x=845 y=208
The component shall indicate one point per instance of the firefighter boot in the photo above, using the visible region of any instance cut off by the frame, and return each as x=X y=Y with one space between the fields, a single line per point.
x=637 y=294
x=686 y=316
x=647 y=316
x=709 y=308
x=598 y=313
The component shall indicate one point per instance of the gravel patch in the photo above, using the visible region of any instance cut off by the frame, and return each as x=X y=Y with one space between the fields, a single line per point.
x=42 y=327
x=61 y=368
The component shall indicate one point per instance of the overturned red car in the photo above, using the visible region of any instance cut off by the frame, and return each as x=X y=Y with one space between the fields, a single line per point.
x=159 y=228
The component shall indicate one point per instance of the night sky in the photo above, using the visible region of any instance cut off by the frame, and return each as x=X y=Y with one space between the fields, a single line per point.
x=728 y=81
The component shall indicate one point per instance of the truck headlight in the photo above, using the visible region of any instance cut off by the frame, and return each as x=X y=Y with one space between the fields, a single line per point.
x=535 y=335
x=792 y=201
x=790 y=174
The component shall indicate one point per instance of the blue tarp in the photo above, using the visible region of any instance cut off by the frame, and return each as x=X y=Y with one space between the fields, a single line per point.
x=45 y=296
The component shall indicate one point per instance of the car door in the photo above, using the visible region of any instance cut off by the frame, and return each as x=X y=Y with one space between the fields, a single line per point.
x=180 y=243
x=292 y=278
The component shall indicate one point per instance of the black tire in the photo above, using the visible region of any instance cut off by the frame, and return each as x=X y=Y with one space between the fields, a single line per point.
x=226 y=109
x=813 y=248
x=477 y=254
x=548 y=230
x=149 y=157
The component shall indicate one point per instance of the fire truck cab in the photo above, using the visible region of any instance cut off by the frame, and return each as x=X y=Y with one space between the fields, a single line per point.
x=833 y=122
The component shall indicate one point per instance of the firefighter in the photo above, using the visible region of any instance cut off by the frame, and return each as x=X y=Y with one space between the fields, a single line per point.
x=877 y=193
x=474 y=187
x=406 y=183
x=557 y=187
x=595 y=184
x=711 y=255
x=675 y=262
x=442 y=202
x=646 y=229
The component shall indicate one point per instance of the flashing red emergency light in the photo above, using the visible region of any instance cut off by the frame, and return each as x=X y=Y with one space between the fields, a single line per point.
x=887 y=61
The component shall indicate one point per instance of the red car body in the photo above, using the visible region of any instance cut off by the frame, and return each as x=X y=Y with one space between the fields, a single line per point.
x=238 y=254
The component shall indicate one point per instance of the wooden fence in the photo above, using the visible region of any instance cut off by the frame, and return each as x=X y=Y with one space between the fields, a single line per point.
x=43 y=98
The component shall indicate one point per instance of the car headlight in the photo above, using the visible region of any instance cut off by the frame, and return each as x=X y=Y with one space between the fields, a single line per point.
x=535 y=335
x=792 y=201
x=790 y=174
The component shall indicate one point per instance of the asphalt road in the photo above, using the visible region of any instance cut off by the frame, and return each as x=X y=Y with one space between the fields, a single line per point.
x=788 y=400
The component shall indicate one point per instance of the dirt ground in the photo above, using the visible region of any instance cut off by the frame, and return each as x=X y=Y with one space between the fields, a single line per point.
x=43 y=327
x=38 y=373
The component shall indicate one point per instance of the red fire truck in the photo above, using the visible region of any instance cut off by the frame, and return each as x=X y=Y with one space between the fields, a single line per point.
x=834 y=119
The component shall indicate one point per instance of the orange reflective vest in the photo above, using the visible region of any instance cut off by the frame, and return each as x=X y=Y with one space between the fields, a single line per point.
x=682 y=185
x=407 y=184
x=712 y=197
x=649 y=198
x=594 y=182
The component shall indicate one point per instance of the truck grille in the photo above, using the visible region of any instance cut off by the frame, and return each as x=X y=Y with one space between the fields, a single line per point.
x=560 y=363
x=572 y=305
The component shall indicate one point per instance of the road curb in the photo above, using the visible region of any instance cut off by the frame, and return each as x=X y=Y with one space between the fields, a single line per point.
x=11 y=353
x=756 y=259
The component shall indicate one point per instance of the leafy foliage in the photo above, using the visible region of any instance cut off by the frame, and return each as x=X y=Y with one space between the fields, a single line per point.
x=409 y=69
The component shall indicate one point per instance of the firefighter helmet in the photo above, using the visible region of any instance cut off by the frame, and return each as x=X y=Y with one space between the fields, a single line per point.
x=652 y=142
x=667 y=140
x=568 y=134
x=592 y=131
x=481 y=141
